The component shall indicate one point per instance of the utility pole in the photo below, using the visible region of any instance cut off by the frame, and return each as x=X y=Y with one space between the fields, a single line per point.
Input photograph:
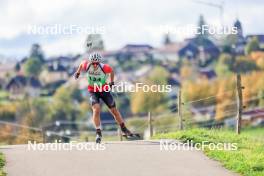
x=119 y=133
x=180 y=109
x=239 y=103
x=150 y=124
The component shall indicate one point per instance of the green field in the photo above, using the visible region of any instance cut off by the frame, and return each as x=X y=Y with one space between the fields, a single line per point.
x=247 y=160
x=2 y=164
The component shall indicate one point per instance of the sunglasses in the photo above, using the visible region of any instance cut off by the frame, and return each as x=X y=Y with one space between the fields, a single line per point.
x=95 y=63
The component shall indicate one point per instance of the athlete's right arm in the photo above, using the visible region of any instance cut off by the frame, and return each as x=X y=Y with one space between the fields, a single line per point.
x=78 y=72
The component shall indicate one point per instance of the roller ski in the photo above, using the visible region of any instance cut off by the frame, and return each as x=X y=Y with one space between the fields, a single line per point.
x=98 y=137
x=128 y=135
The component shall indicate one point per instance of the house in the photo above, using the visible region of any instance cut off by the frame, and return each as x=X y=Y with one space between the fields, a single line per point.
x=65 y=61
x=6 y=68
x=137 y=48
x=168 y=52
x=203 y=113
x=135 y=51
x=68 y=62
x=207 y=73
x=54 y=73
x=203 y=48
x=189 y=50
x=20 y=86
x=260 y=38
x=253 y=117
x=198 y=50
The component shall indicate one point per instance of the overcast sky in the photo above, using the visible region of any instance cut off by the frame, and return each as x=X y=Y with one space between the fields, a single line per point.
x=121 y=21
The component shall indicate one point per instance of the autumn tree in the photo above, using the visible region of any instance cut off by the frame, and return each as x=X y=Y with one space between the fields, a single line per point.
x=142 y=102
x=252 y=45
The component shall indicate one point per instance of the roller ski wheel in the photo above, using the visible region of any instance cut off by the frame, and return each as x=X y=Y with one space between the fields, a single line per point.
x=132 y=136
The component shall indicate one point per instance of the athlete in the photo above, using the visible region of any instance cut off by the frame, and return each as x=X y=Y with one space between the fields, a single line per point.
x=97 y=74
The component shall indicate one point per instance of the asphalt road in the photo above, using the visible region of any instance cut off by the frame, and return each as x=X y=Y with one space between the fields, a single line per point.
x=137 y=158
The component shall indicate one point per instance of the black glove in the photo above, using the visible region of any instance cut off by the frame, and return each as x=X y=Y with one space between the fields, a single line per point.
x=76 y=75
x=111 y=84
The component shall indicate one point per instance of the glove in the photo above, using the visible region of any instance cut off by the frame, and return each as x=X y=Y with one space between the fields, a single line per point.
x=76 y=75
x=111 y=84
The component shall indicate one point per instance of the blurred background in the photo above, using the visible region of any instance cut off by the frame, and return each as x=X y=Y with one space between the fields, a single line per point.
x=40 y=100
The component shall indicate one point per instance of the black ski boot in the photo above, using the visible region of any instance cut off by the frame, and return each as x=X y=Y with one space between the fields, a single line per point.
x=127 y=134
x=98 y=137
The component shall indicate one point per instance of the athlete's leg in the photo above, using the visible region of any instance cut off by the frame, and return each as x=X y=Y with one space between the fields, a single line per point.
x=96 y=115
x=109 y=101
x=95 y=102
x=118 y=117
x=97 y=122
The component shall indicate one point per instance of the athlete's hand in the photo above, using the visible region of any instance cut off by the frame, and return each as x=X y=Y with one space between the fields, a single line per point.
x=76 y=75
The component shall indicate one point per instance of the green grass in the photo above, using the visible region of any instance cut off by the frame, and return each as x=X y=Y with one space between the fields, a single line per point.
x=247 y=160
x=2 y=164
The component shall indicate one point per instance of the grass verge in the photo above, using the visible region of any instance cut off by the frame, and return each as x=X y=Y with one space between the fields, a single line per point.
x=2 y=164
x=247 y=160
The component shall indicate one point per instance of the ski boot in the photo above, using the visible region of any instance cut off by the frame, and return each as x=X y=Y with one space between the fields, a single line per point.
x=128 y=135
x=98 y=137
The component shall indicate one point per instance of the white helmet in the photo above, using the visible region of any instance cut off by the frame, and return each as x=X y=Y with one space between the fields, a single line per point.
x=95 y=57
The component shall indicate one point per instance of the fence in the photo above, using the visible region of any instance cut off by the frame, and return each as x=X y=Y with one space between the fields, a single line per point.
x=181 y=115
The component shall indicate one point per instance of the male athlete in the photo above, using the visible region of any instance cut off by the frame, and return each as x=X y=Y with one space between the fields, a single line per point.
x=97 y=74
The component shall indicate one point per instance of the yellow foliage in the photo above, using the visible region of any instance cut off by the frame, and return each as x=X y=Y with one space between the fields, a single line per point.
x=256 y=55
x=186 y=72
x=260 y=63
x=6 y=135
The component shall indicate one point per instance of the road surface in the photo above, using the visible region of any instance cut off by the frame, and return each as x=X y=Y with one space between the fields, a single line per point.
x=137 y=158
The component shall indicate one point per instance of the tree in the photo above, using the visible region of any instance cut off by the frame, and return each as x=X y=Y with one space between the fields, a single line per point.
x=244 y=65
x=225 y=106
x=261 y=98
x=252 y=45
x=224 y=65
x=142 y=102
x=33 y=67
x=260 y=63
x=227 y=49
x=230 y=40
x=17 y=67
x=64 y=104
x=31 y=113
x=201 y=24
x=167 y=39
x=36 y=52
x=158 y=75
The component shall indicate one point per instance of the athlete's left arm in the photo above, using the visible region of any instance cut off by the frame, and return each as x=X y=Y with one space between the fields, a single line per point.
x=109 y=70
x=112 y=76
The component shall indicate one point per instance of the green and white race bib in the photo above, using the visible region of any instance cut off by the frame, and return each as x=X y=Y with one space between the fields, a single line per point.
x=96 y=76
